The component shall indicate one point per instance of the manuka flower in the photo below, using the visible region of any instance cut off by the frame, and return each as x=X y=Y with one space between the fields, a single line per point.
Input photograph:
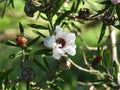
x=61 y=43
x=115 y=1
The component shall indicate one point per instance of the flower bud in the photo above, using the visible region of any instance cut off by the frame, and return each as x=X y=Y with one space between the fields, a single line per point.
x=21 y=41
x=27 y=74
x=64 y=63
x=96 y=60
x=84 y=13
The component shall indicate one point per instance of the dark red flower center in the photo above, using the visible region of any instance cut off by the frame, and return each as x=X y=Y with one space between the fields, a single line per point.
x=61 y=41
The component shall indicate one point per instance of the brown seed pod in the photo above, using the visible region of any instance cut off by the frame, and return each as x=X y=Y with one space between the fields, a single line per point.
x=96 y=60
x=27 y=74
x=84 y=13
x=30 y=8
x=108 y=19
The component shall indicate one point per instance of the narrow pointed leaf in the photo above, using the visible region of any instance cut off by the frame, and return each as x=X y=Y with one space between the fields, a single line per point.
x=36 y=26
x=33 y=41
x=40 y=65
x=5 y=74
x=102 y=33
x=57 y=6
x=39 y=33
x=11 y=43
x=46 y=62
x=107 y=59
x=42 y=51
x=118 y=12
x=61 y=17
x=11 y=3
x=21 y=29
x=4 y=9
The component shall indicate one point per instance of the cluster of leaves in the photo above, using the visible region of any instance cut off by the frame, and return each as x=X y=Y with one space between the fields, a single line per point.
x=56 y=13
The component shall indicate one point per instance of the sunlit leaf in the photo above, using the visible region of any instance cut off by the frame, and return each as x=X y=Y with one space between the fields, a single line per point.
x=92 y=5
x=11 y=43
x=102 y=33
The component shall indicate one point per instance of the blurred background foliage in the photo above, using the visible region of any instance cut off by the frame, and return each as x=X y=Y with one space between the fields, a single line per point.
x=9 y=29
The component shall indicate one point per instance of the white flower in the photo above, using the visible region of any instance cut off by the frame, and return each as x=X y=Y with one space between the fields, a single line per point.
x=61 y=43
x=115 y=1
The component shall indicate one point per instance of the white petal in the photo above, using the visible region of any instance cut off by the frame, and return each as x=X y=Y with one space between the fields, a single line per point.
x=71 y=50
x=58 y=29
x=70 y=37
x=56 y=54
x=49 y=41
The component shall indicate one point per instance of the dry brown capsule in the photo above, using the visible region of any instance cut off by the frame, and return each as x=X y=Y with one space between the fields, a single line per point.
x=30 y=8
x=96 y=60
x=84 y=13
x=27 y=74
x=108 y=19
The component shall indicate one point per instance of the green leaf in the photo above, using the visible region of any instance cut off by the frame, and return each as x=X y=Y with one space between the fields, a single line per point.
x=3 y=12
x=36 y=26
x=46 y=62
x=33 y=41
x=40 y=65
x=21 y=29
x=61 y=17
x=92 y=6
x=27 y=85
x=39 y=33
x=5 y=74
x=57 y=6
x=106 y=2
x=11 y=43
x=14 y=88
x=11 y=3
x=118 y=12
x=43 y=51
x=54 y=86
x=102 y=33
x=60 y=80
x=107 y=59
x=115 y=69
x=117 y=26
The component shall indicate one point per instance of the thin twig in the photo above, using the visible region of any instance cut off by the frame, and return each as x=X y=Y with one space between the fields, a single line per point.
x=113 y=47
x=92 y=71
